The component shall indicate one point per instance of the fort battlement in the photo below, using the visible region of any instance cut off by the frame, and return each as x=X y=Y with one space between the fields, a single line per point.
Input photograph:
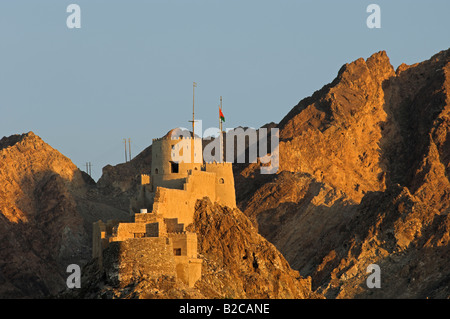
x=179 y=234
x=145 y=179
x=210 y=164
x=148 y=218
x=175 y=138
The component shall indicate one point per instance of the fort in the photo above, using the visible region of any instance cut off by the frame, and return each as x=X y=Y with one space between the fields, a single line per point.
x=155 y=243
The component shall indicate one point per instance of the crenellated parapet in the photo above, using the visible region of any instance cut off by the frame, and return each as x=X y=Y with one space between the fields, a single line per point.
x=175 y=138
x=145 y=179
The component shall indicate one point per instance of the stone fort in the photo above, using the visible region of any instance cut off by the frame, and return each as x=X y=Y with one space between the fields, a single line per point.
x=156 y=242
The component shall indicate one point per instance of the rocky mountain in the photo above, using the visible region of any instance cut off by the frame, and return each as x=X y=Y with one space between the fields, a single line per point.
x=364 y=178
x=47 y=206
x=120 y=182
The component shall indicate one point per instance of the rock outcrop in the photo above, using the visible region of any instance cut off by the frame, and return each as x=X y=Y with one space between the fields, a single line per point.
x=119 y=183
x=240 y=263
x=46 y=215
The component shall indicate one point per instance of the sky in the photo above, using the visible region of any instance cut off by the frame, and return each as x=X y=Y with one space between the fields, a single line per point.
x=128 y=71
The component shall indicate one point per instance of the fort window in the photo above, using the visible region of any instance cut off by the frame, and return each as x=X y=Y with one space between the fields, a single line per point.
x=221 y=181
x=156 y=171
x=174 y=167
x=177 y=251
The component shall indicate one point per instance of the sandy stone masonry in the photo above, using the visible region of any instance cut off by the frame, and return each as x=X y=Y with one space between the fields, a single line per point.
x=156 y=242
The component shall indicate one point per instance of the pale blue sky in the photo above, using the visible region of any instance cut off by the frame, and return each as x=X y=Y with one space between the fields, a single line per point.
x=128 y=71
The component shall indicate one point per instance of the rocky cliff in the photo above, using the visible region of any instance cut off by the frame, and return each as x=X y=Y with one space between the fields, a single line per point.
x=47 y=208
x=364 y=178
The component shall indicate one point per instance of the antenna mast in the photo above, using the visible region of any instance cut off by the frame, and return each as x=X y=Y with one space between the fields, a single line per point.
x=129 y=147
x=194 y=85
x=125 y=143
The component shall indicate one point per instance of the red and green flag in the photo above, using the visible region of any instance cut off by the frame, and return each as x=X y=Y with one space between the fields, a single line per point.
x=222 y=118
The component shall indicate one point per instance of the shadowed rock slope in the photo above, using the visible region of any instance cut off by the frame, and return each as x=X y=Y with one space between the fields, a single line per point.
x=46 y=215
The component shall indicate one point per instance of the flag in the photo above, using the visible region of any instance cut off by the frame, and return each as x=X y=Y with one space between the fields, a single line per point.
x=222 y=118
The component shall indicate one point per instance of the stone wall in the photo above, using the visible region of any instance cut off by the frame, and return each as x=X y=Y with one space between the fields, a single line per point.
x=201 y=184
x=100 y=237
x=174 y=203
x=148 y=218
x=173 y=226
x=125 y=231
x=185 y=241
x=134 y=259
x=188 y=270
x=224 y=183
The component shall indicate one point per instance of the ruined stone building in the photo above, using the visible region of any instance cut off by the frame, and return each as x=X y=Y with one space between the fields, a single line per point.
x=156 y=242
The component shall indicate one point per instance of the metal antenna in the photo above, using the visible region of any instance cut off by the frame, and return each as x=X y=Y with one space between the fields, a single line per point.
x=125 y=142
x=129 y=147
x=88 y=168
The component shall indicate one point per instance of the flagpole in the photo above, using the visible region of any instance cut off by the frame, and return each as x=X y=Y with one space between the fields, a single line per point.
x=193 y=123
x=193 y=104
